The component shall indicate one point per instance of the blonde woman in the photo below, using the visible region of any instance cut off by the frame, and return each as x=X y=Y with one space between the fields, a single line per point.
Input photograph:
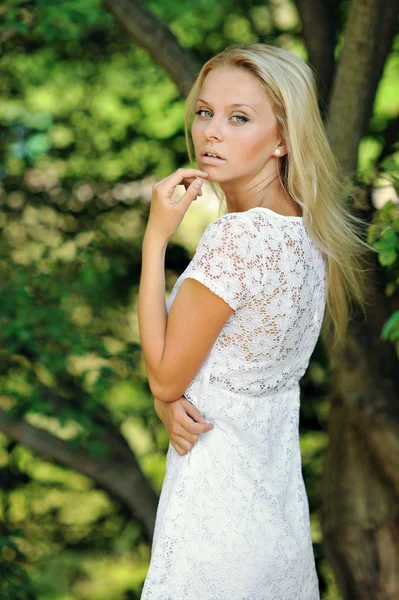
x=225 y=356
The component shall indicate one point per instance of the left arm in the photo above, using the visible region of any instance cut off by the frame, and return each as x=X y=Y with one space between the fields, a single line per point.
x=152 y=314
x=174 y=346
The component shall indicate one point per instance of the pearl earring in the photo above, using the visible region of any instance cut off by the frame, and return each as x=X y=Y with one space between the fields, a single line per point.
x=277 y=152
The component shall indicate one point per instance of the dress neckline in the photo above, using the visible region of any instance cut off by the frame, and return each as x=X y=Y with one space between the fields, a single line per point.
x=278 y=215
x=297 y=218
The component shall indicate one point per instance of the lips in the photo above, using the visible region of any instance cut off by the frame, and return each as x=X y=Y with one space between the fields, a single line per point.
x=212 y=152
x=210 y=160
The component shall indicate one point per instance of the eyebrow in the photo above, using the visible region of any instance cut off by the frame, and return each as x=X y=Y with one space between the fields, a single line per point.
x=236 y=104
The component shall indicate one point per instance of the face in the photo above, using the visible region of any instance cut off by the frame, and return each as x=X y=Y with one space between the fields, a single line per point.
x=244 y=136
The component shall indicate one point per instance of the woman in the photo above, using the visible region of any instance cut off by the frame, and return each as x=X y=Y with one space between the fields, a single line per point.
x=239 y=328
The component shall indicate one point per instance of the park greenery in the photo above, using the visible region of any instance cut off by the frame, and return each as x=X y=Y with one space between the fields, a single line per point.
x=88 y=122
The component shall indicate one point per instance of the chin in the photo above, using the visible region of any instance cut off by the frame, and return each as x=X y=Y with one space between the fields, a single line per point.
x=211 y=177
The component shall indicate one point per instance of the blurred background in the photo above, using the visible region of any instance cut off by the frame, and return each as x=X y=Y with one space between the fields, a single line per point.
x=91 y=115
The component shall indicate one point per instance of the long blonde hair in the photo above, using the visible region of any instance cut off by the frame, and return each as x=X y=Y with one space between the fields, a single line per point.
x=309 y=172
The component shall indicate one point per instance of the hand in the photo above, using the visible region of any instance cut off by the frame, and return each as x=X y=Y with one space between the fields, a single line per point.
x=165 y=215
x=183 y=422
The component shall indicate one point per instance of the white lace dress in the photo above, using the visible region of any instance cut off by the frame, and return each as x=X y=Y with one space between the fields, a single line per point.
x=233 y=515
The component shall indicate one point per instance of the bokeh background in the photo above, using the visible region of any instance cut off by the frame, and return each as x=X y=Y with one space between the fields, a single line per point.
x=91 y=115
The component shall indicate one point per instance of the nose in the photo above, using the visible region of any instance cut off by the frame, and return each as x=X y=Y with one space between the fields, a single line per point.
x=212 y=130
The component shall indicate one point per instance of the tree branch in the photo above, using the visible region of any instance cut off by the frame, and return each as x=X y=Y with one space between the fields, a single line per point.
x=368 y=35
x=319 y=34
x=117 y=445
x=122 y=479
x=155 y=36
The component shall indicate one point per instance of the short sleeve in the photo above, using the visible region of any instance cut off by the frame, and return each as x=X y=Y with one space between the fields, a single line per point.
x=230 y=260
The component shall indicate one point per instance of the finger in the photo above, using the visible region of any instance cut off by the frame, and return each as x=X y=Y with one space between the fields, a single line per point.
x=187 y=181
x=185 y=444
x=168 y=185
x=193 y=428
x=192 y=410
x=190 y=195
x=180 y=431
x=193 y=413
x=199 y=194
x=178 y=448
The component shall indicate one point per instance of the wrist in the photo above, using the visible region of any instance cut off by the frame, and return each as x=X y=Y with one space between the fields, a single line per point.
x=154 y=237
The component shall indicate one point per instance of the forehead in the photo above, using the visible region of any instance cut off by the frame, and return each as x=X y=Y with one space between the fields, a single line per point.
x=233 y=85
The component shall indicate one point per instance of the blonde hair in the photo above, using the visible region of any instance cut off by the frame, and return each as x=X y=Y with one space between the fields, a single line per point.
x=309 y=172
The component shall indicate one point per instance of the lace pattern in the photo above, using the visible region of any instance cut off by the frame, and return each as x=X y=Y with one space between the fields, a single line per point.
x=233 y=516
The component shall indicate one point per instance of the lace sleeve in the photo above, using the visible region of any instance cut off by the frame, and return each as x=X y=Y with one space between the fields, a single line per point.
x=230 y=260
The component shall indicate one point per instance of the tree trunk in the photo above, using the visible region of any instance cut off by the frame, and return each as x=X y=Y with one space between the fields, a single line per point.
x=368 y=35
x=319 y=34
x=360 y=509
x=360 y=513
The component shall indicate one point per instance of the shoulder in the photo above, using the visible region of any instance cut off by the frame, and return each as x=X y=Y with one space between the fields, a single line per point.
x=232 y=235
x=237 y=224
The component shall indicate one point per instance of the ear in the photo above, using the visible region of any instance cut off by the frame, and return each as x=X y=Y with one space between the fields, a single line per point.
x=283 y=150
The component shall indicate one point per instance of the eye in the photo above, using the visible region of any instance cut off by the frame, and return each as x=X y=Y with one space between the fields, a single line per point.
x=197 y=112
x=240 y=117
x=245 y=119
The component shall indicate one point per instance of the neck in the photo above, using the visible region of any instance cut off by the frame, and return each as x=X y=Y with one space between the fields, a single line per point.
x=240 y=198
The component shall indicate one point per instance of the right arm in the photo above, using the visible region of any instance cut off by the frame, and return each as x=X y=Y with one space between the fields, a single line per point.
x=183 y=421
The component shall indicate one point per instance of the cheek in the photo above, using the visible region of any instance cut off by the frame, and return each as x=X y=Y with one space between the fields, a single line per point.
x=251 y=144
x=257 y=142
x=195 y=128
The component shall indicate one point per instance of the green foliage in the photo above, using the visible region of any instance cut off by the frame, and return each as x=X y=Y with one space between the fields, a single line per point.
x=55 y=324
x=52 y=20
x=104 y=126
x=87 y=122
x=383 y=234
x=15 y=583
